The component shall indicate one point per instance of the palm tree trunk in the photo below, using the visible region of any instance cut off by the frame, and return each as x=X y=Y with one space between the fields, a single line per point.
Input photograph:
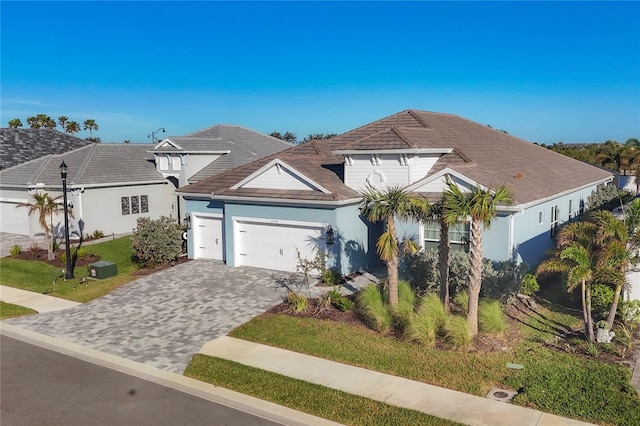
x=614 y=307
x=392 y=267
x=475 y=275
x=592 y=338
x=443 y=263
x=585 y=317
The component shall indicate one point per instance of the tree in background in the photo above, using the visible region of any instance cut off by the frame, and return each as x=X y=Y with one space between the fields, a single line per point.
x=318 y=136
x=41 y=121
x=286 y=136
x=15 y=123
x=62 y=121
x=72 y=127
x=480 y=205
x=91 y=125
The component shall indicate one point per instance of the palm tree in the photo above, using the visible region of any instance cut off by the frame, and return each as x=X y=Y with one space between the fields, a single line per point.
x=15 y=123
x=480 y=205
x=611 y=240
x=90 y=124
x=389 y=205
x=33 y=122
x=45 y=207
x=72 y=127
x=62 y=120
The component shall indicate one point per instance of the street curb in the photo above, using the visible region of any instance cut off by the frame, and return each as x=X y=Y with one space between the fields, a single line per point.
x=248 y=404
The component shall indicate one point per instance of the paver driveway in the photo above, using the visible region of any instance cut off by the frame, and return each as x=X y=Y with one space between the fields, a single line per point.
x=164 y=318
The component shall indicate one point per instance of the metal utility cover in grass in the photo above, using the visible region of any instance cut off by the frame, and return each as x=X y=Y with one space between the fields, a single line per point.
x=103 y=269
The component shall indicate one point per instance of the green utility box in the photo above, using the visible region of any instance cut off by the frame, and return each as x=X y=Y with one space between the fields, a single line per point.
x=102 y=270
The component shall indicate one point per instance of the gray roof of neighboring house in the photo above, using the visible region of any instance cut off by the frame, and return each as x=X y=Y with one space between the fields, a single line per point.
x=18 y=146
x=482 y=154
x=243 y=145
x=96 y=164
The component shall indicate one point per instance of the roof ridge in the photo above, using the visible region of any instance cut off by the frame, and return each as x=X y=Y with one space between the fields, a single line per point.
x=419 y=119
x=42 y=167
x=399 y=133
x=85 y=162
x=373 y=122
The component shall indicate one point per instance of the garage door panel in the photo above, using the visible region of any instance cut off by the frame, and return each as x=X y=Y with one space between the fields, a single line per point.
x=275 y=246
x=14 y=220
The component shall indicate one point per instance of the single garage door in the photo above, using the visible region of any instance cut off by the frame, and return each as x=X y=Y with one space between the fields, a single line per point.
x=14 y=220
x=274 y=245
x=207 y=237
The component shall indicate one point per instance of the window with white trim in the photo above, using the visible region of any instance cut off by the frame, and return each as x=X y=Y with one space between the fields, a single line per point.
x=134 y=204
x=175 y=163
x=458 y=235
x=570 y=209
x=555 y=214
x=163 y=163
x=540 y=217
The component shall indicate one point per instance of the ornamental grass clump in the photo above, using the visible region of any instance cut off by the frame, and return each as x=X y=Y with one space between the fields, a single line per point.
x=403 y=314
x=432 y=306
x=491 y=318
x=422 y=328
x=297 y=302
x=371 y=306
x=457 y=332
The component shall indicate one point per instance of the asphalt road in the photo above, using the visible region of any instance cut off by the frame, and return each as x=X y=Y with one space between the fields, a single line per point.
x=43 y=387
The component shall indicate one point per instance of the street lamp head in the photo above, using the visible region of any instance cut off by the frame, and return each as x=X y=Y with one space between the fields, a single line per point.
x=63 y=170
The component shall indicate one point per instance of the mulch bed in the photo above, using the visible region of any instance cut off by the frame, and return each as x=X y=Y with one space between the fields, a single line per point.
x=41 y=256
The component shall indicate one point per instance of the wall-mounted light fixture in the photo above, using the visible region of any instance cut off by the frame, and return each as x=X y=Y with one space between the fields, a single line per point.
x=329 y=235
x=186 y=222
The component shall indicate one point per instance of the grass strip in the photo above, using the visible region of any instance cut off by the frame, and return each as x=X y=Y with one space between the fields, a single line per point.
x=310 y=398
x=552 y=381
x=9 y=310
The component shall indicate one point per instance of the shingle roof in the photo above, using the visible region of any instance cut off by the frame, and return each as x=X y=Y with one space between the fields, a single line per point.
x=243 y=145
x=17 y=146
x=96 y=164
x=482 y=154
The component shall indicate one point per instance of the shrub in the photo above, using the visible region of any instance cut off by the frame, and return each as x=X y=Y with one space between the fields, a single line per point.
x=500 y=280
x=296 y=301
x=458 y=333
x=156 y=242
x=331 y=277
x=97 y=234
x=629 y=311
x=601 y=300
x=82 y=253
x=491 y=317
x=343 y=304
x=371 y=306
x=34 y=248
x=529 y=285
x=15 y=250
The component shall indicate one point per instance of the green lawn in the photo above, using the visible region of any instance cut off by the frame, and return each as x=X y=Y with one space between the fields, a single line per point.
x=551 y=381
x=302 y=396
x=42 y=278
x=9 y=310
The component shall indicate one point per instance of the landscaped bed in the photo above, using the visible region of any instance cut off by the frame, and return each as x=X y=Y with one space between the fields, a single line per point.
x=556 y=378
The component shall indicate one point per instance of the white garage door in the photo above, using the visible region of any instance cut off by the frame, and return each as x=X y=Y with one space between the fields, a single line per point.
x=207 y=237
x=275 y=245
x=14 y=220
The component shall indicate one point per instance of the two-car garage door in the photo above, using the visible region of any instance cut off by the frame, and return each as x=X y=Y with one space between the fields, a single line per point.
x=275 y=244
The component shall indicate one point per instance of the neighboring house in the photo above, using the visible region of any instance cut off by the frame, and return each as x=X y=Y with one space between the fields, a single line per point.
x=306 y=198
x=18 y=146
x=111 y=185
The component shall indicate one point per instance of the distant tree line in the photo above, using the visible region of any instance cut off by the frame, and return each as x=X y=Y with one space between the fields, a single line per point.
x=292 y=138
x=623 y=158
x=43 y=121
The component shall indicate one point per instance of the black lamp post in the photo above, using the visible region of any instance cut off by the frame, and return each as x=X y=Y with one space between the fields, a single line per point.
x=153 y=137
x=68 y=273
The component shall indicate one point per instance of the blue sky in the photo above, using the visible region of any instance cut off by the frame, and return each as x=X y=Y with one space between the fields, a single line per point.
x=543 y=71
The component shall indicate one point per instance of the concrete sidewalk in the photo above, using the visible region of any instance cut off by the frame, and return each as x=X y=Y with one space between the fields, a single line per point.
x=393 y=390
x=36 y=301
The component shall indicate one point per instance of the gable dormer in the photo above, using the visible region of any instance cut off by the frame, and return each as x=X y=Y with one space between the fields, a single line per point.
x=279 y=175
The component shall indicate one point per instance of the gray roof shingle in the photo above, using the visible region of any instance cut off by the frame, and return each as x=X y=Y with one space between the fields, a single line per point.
x=17 y=146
